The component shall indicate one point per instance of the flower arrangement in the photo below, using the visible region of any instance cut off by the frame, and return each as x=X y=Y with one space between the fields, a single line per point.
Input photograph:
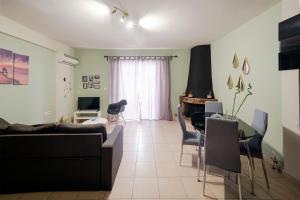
x=240 y=85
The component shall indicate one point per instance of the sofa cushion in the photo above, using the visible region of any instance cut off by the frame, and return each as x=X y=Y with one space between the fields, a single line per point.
x=3 y=125
x=29 y=129
x=79 y=128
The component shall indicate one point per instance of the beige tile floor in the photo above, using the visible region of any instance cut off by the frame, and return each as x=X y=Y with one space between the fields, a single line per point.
x=150 y=170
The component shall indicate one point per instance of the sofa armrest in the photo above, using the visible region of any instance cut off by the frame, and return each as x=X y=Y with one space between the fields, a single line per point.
x=112 y=152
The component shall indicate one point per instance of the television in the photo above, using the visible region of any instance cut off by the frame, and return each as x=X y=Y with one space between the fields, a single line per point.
x=88 y=103
x=289 y=37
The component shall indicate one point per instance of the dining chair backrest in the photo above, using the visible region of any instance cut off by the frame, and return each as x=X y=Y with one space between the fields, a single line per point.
x=260 y=122
x=123 y=103
x=222 y=147
x=213 y=107
x=181 y=119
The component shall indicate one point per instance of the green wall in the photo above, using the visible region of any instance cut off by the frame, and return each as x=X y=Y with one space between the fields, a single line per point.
x=30 y=103
x=93 y=62
x=258 y=41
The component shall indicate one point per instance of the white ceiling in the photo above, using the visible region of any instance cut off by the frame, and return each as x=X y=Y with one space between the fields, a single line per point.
x=181 y=23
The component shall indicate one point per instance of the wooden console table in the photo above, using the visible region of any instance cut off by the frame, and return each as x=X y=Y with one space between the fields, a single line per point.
x=197 y=103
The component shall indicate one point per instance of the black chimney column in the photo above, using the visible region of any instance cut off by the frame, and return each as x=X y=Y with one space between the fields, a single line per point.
x=200 y=79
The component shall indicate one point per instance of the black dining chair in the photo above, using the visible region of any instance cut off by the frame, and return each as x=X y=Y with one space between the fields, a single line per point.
x=211 y=107
x=254 y=144
x=188 y=137
x=115 y=109
x=221 y=148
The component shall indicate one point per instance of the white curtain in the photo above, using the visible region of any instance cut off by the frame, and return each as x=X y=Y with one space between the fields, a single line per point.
x=145 y=84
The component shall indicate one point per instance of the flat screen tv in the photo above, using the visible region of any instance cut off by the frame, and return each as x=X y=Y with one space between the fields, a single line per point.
x=88 y=103
x=289 y=37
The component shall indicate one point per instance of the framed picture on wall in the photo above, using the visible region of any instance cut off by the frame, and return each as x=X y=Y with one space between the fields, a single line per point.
x=96 y=86
x=21 y=69
x=6 y=66
x=90 y=81
x=85 y=85
x=84 y=79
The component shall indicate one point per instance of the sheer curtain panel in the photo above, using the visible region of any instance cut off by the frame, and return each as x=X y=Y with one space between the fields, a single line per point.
x=145 y=84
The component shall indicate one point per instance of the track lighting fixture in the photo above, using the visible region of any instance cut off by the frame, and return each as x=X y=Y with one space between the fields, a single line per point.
x=123 y=13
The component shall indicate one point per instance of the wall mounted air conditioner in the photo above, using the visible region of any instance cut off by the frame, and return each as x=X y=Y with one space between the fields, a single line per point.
x=68 y=60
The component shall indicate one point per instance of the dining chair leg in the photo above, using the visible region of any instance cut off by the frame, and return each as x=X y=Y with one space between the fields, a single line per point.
x=250 y=169
x=239 y=185
x=265 y=173
x=181 y=154
x=199 y=162
x=204 y=180
x=253 y=165
x=123 y=118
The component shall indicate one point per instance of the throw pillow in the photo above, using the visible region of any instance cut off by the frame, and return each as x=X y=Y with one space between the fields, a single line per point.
x=3 y=125
x=29 y=129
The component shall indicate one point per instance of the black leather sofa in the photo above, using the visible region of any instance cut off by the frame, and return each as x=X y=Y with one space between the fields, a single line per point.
x=58 y=157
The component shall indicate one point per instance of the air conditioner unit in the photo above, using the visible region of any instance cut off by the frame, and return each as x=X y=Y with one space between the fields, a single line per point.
x=68 y=60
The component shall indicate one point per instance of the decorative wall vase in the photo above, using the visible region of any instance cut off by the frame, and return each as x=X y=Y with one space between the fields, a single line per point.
x=229 y=82
x=246 y=67
x=240 y=85
x=235 y=61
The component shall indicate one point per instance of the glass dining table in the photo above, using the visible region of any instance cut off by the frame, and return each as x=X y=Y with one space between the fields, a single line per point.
x=246 y=131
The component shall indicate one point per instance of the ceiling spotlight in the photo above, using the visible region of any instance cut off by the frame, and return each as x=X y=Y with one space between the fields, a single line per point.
x=122 y=19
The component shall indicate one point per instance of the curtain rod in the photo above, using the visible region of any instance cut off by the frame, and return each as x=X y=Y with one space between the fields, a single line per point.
x=139 y=57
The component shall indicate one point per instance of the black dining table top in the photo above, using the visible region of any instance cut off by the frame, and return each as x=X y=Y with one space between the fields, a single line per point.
x=246 y=131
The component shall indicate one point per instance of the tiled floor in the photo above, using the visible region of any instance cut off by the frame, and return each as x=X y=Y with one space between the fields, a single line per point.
x=150 y=170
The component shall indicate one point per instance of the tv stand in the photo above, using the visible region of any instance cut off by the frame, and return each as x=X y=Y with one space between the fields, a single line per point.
x=83 y=115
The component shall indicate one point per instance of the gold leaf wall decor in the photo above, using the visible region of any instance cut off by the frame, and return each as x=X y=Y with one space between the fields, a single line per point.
x=229 y=82
x=235 y=61
x=240 y=85
x=246 y=67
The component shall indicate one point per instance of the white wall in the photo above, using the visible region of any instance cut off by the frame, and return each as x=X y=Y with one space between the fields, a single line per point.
x=258 y=41
x=290 y=105
x=290 y=79
x=93 y=62
x=64 y=106
x=64 y=91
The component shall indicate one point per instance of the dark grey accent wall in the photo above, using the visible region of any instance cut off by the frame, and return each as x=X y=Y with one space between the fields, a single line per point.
x=200 y=80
